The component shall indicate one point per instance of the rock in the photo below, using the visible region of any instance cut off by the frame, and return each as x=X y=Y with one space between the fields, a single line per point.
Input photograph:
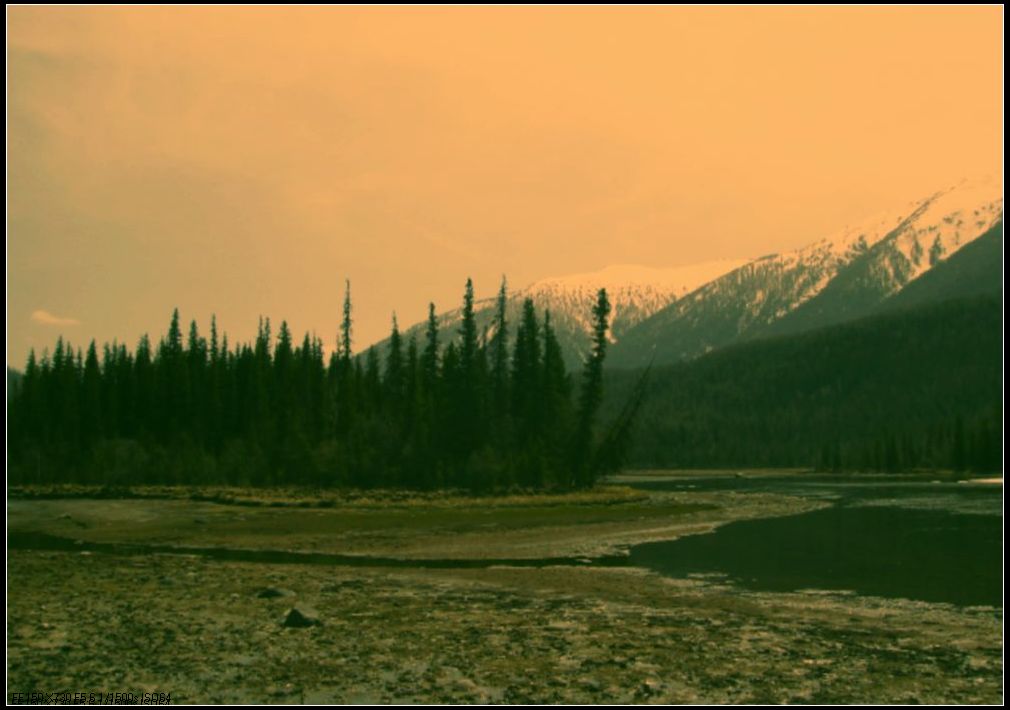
x=350 y=584
x=300 y=618
x=650 y=686
x=273 y=593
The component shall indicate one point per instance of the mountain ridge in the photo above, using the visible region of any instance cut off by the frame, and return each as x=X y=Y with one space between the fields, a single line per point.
x=829 y=281
x=672 y=314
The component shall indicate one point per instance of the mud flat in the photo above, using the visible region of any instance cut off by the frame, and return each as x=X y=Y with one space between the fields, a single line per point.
x=202 y=629
x=594 y=524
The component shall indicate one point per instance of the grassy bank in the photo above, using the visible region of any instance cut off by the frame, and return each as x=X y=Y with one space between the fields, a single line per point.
x=406 y=525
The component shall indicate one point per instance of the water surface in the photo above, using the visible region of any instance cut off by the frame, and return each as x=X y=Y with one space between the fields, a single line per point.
x=887 y=536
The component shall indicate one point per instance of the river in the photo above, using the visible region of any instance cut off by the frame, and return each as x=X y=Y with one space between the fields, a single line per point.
x=890 y=536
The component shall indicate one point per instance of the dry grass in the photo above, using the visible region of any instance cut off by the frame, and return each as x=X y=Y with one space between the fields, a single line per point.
x=306 y=497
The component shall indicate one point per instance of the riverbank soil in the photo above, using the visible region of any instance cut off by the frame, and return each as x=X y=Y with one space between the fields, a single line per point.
x=207 y=630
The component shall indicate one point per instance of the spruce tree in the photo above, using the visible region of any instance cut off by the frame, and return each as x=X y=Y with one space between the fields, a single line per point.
x=591 y=394
x=499 y=358
x=556 y=400
x=91 y=419
x=344 y=346
x=429 y=357
x=468 y=335
x=394 y=381
x=527 y=397
x=468 y=401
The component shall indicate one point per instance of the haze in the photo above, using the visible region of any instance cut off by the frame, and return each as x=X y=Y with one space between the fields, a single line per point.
x=245 y=161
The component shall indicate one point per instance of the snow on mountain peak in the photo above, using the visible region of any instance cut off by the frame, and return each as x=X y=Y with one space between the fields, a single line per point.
x=675 y=281
x=979 y=199
x=972 y=200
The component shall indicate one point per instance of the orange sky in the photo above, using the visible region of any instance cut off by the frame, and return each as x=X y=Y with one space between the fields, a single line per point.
x=247 y=160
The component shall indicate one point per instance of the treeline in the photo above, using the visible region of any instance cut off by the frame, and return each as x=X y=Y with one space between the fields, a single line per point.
x=482 y=413
x=918 y=389
x=975 y=447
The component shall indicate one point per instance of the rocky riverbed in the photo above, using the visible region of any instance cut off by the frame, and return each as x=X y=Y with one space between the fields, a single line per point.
x=207 y=630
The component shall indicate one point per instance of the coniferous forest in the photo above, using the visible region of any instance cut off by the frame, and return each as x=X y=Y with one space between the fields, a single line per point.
x=913 y=389
x=488 y=411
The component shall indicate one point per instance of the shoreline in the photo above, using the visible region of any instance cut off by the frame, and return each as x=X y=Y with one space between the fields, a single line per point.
x=460 y=529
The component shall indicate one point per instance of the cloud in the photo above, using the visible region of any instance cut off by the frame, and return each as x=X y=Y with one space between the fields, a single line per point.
x=47 y=318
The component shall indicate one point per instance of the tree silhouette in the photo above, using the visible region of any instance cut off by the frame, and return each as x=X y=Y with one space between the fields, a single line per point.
x=271 y=411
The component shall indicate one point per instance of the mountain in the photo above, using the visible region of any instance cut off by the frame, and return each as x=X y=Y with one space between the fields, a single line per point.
x=635 y=292
x=667 y=315
x=974 y=270
x=845 y=276
x=915 y=387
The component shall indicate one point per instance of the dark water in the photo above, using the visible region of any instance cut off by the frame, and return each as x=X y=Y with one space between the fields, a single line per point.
x=891 y=537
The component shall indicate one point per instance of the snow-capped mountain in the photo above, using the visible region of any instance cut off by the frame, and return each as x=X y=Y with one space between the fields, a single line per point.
x=635 y=292
x=843 y=276
x=665 y=315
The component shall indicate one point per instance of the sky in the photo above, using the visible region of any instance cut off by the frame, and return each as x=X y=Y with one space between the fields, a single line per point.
x=245 y=161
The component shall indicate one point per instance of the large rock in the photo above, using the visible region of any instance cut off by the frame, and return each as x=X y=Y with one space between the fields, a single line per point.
x=300 y=618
